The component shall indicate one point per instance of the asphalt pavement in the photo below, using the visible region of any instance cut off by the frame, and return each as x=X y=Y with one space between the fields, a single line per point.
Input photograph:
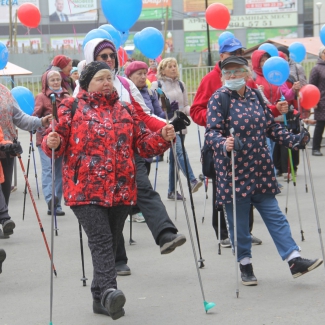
x=164 y=289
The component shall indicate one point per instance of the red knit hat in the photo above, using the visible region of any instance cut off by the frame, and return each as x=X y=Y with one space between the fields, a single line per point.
x=135 y=66
x=61 y=61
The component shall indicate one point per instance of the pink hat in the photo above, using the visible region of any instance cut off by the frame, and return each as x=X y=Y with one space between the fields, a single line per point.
x=61 y=61
x=103 y=45
x=135 y=66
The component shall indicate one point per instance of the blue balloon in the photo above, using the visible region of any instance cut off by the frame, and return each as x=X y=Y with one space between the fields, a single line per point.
x=223 y=36
x=322 y=34
x=96 y=33
x=276 y=70
x=124 y=37
x=269 y=48
x=150 y=42
x=24 y=98
x=116 y=35
x=4 y=54
x=136 y=38
x=297 y=52
x=122 y=14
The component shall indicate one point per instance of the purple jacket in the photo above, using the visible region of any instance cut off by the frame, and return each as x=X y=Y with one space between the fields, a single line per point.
x=151 y=99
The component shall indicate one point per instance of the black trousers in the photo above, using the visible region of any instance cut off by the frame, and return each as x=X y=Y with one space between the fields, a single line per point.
x=103 y=227
x=318 y=134
x=3 y=207
x=152 y=208
x=8 y=167
x=223 y=225
x=281 y=158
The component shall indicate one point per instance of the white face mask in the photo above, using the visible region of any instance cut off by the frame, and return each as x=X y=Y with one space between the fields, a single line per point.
x=235 y=84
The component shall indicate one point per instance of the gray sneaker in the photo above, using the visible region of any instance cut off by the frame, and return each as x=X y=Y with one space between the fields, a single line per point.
x=195 y=185
x=256 y=241
x=225 y=243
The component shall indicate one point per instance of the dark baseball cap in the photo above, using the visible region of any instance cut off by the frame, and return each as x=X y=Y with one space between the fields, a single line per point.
x=230 y=45
x=233 y=59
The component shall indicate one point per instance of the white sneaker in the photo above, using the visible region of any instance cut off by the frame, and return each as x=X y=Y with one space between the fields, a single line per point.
x=138 y=217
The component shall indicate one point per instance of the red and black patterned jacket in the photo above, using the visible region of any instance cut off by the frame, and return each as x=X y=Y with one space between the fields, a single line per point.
x=98 y=147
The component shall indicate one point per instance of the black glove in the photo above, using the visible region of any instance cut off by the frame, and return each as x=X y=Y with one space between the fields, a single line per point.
x=180 y=122
x=304 y=138
x=12 y=149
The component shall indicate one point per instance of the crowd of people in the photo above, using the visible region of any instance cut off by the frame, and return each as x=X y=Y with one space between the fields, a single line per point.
x=110 y=127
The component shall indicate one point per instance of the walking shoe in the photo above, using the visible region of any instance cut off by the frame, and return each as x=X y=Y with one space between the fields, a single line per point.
x=160 y=158
x=171 y=196
x=247 y=275
x=256 y=241
x=13 y=189
x=299 y=266
x=280 y=186
x=8 y=227
x=225 y=243
x=201 y=177
x=169 y=241
x=316 y=153
x=58 y=213
x=49 y=205
x=2 y=236
x=2 y=258
x=122 y=269
x=137 y=217
x=114 y=301
x=195 y=185
x=285 y=176
x=98 y=308
x=278 y=173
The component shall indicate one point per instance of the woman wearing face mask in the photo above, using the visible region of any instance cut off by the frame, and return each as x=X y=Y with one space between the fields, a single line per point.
x=51 y=84
x=255 y=180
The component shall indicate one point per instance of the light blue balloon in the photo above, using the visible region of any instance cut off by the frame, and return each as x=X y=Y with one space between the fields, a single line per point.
x=322 y=35
x=151 y=42
x=276 y=70
x=96 y=33
x=124 y=37
x=136 y=38
x=297 y=52
x=24 y=98
x=4 y=54
x=223 y=36
x=269 y=48
x=122 y=14
x=116 y=35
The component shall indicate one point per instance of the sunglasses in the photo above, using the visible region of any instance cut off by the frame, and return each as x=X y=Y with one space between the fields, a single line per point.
x=105 y=56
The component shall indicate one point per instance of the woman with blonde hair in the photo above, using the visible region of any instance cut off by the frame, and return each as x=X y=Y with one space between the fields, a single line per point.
x=175 y=89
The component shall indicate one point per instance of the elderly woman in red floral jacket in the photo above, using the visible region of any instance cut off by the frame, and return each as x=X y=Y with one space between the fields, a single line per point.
x=98 y=144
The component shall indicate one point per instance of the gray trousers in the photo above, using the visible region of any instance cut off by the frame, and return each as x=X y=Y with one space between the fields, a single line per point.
x=103 y=227
x=151 y=206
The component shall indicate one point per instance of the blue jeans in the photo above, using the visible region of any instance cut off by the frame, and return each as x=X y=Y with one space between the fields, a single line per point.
x=47 y=177
x=180 y=158
x=275 y=221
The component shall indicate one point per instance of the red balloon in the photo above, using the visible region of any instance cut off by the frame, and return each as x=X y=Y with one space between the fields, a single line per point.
x=29 y=15
x=309 y=96
x=122 y=56
x=217 y=16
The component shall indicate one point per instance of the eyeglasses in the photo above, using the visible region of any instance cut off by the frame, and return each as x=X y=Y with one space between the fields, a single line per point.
x=105 y=56
x=235 y=72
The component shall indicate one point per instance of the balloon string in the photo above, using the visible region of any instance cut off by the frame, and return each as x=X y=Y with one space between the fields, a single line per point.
x=39 y=31
x=73 y=26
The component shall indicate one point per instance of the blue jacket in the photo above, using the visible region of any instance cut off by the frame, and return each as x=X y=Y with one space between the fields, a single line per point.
x=252 y=123
x=151 y=99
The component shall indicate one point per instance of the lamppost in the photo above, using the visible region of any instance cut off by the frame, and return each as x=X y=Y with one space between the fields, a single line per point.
x=208 y=38
x=318 y=5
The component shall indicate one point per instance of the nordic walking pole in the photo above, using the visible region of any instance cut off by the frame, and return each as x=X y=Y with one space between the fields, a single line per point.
x=55 y=117
x=288 y=181
x=36 y=211
x=294 y=183
x=234 y=211
x=131 y=241
x=53 y=200
x=175 y=183
x=156 y=173
x=219 y=232
x=83 y=279
x=166 y=107
x=25 y=190
x=35 y=170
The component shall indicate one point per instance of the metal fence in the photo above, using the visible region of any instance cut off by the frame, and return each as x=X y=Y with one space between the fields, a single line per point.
x=191 y=76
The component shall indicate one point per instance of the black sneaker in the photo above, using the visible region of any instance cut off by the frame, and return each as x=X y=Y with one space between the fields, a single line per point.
x=98 y=308
x=114 y=301
x=169 y=241
x=122 y=269
x=247 y=275
x=49 y=205
x=8 y=227
x=299 y=266
x=2 y=258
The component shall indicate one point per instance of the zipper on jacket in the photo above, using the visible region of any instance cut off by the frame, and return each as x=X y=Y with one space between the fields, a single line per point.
x=76 y=171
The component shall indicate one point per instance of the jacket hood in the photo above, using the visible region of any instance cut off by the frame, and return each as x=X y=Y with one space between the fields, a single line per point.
x=45 y=88
x=256 y=59
x=89 y=50
x=320 y=61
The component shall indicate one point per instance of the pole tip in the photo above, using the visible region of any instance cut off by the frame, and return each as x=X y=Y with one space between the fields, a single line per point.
x=208 y=305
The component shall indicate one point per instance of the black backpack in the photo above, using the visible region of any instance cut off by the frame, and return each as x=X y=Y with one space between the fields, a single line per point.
x=207 y=152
